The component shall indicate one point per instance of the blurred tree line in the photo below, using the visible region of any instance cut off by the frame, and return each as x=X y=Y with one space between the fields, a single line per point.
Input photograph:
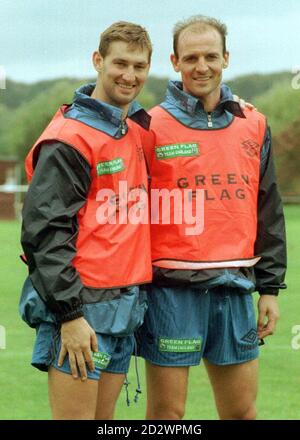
x=25 y=110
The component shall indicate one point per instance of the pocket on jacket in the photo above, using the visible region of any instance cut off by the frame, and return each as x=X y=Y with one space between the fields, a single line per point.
x=32 y=308
x=120 y=316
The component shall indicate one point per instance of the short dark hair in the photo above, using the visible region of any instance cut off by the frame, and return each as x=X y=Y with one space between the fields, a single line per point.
x=202 y=22
x=133 y=34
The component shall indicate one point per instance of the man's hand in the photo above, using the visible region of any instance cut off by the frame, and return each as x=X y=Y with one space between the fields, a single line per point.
x=268 y=315
x=243 y=103
x=78 y=339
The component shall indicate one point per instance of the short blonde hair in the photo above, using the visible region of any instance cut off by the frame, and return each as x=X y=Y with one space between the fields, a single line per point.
x=133 y=34
x=201 y=22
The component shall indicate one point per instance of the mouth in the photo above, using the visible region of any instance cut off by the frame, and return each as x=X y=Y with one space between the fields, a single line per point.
x=202 y=79
x=126 y=86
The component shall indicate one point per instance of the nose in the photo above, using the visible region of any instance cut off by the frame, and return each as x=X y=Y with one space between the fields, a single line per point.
x=129 y=75
x=201 y=65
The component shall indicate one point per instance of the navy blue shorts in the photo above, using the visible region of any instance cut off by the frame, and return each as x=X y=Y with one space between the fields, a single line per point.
x=182 y=325
x=113 y=354
x=114 y=322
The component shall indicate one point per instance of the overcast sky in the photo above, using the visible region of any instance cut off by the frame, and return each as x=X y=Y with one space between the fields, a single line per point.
x=41 y=39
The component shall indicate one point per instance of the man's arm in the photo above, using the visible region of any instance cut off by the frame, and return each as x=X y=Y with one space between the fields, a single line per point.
x=49 y=230
x=58 y=190
x=271 y=240
x=270 y=243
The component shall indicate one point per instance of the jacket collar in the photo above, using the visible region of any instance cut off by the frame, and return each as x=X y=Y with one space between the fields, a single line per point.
x=191 y=104
x=113 y=114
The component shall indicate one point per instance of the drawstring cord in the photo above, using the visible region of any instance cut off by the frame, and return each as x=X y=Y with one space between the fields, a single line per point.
x=138 y=389
x=127 y=383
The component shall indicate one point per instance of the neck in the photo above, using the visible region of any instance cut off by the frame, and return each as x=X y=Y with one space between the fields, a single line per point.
x=99 y=93
x=211 y=100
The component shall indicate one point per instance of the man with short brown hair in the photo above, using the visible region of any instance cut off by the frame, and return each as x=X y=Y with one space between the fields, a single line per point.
x=86 y=301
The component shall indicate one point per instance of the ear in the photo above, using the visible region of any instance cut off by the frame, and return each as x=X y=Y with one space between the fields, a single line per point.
x=97 y=61
x=225 y=60
x=174 y=62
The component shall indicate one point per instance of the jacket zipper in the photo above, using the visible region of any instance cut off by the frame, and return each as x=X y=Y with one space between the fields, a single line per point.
x=209 y=120
x=123 y=127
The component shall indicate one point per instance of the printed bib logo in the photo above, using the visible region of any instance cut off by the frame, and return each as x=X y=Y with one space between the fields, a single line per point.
x=179 y=345
x=101 y=360
x=251 y=147
x=177 y=150
x=110 y=166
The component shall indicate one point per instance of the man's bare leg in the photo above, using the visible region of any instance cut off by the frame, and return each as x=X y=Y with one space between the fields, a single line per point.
x=235 y=389
x=71 y=399
x=166 y=391
x=109 y=388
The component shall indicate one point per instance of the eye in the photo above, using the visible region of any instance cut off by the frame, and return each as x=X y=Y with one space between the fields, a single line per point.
x=212 y=57
x=190 y=59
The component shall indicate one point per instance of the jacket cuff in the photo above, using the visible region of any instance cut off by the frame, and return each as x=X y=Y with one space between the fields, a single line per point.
x=266 y=291
x=69 y=316
x=271 y=290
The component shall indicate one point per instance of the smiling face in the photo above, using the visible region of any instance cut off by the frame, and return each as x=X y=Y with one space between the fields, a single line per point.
x=123 y=72
x=200 y=62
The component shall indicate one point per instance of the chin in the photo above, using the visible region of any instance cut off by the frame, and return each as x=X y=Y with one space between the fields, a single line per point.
x=203 y=91
x=121 y=99
x=125 y=101
x=199 y=93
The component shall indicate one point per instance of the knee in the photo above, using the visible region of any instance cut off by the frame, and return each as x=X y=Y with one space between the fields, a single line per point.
x=246 y=414
x=167 y=411
x=105 y=416
x=105 y=412
x=250 y=414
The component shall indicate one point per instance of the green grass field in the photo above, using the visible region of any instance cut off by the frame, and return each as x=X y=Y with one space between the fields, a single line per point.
x=23 y=390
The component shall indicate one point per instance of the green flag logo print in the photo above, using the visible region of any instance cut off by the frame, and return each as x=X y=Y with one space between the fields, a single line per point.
x=101 y=360
x=177 y=150
x=110 y=166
